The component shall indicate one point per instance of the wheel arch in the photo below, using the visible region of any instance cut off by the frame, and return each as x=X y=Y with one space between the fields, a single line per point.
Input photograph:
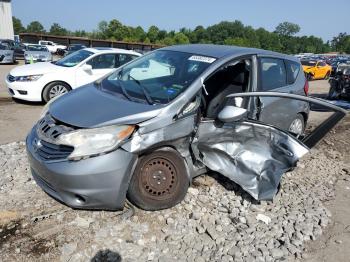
x=54 y=81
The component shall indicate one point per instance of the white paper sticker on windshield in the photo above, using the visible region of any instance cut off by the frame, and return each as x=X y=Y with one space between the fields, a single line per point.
x=203 y=59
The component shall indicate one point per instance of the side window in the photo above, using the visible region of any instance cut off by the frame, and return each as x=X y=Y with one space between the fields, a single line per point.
x=123 y=59
x=293 y=69
x=321 y=64
x=104 y=61
x=272 y=73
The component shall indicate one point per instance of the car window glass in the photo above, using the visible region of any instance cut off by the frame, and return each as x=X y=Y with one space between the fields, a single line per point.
x=293 y=69
x=273 y=73
x=74 y=58
x=103 y=61
x=123 y=59
x=153 y=69
x=321 y=64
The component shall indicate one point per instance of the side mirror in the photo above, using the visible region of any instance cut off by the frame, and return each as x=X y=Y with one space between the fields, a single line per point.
x=232 y=113
x=87 y=68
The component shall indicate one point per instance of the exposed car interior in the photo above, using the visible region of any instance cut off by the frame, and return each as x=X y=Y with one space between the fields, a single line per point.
x=230 y=79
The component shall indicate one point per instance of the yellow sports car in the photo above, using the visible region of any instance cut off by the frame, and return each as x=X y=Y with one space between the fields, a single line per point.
x=316 y=69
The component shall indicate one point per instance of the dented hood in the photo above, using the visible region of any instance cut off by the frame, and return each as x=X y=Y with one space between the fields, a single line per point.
x=88 y=107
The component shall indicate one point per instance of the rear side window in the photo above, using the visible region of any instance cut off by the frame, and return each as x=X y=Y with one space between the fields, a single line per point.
x=293 y=69
x=124 y=58
x=104 y=61
x=273 y=73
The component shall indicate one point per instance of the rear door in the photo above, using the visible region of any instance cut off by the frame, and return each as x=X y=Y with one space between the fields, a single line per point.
x=273 y=78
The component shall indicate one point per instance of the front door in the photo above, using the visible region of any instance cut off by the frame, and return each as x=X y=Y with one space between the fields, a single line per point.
x=253 y=154
x=101 y=65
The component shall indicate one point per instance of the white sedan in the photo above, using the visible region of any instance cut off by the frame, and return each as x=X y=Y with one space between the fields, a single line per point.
x=44 y=81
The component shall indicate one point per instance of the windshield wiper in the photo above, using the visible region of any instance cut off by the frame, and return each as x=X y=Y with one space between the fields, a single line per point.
x=125 y=93
x=144 y=91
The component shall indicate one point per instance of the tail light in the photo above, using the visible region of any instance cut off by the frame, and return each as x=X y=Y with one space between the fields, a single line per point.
x=306 y=87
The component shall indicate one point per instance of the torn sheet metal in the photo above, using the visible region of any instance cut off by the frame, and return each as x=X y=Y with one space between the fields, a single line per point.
x=178 y=129
x=251 y=154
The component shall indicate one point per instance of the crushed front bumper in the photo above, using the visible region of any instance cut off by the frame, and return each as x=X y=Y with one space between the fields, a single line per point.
x=95 y=183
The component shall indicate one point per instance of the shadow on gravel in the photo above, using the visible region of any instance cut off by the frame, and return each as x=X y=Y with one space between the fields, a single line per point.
x=226 y=183
x=106 y=256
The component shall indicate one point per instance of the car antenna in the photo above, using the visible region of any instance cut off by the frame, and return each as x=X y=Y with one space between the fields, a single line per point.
x=203 y=86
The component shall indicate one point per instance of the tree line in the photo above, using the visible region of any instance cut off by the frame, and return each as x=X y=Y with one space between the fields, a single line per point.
x=282 y=39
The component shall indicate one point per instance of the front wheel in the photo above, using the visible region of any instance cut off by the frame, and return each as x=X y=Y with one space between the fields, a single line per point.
x=326 y=77
x=309 y=77
x=160 y=181
x=55 y=89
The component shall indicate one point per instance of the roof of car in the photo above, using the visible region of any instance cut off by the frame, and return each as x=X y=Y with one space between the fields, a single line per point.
x=109 y=49
x=220 y=51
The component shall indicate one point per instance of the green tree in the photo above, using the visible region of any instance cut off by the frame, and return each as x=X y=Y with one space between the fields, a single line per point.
x=237 y=41
x=35 y=27
x=341 y=43
x=115 y=30
x=287 y=29
x=17 y=26
x=56 y=29
x=152 y=33
x=180 y=38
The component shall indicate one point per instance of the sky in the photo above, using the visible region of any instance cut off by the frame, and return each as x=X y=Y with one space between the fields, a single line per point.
x=322 y=18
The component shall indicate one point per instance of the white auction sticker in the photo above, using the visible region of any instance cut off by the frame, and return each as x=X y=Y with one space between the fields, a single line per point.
x=203 y=59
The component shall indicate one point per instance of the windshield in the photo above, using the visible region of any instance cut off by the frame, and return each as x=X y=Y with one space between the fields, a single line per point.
x=158 y=77
x=37 y=48
x=74 y=58
x=308 y=63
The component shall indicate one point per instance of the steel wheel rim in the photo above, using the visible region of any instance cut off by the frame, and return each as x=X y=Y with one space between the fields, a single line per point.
x=296 y=127
x=57 y=90
x=159 y=178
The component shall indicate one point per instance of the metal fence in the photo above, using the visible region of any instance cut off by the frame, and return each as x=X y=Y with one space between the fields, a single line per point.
x=67 y=40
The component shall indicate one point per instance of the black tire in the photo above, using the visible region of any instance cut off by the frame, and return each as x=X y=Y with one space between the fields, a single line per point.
x=300 y=119
x=47 y=93
x=326 y=77
x=160 y=181
x=309 y=77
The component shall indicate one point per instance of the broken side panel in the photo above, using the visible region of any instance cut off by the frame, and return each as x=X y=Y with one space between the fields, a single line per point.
x=251 y=154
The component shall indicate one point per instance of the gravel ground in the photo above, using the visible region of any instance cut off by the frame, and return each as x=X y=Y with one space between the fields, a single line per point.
x=217 y=221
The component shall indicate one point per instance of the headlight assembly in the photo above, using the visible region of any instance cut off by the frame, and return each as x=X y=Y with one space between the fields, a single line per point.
x=28 y=78
x=95 y=141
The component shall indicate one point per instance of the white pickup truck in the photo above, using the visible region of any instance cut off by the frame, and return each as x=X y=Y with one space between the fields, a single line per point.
x=53 y=47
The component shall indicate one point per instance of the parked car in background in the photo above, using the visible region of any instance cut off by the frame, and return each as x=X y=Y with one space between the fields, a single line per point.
x=6 y=54
x=37 y=53
x=146 y=130
x=340 y=83
x=316 y=69
x=72 y=48
x=44 y=81
x=19 y=50
x=53 y=47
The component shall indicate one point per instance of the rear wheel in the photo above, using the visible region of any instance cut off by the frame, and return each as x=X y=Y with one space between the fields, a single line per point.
x=297 y=126
x=160 y=181
x=55 y=89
